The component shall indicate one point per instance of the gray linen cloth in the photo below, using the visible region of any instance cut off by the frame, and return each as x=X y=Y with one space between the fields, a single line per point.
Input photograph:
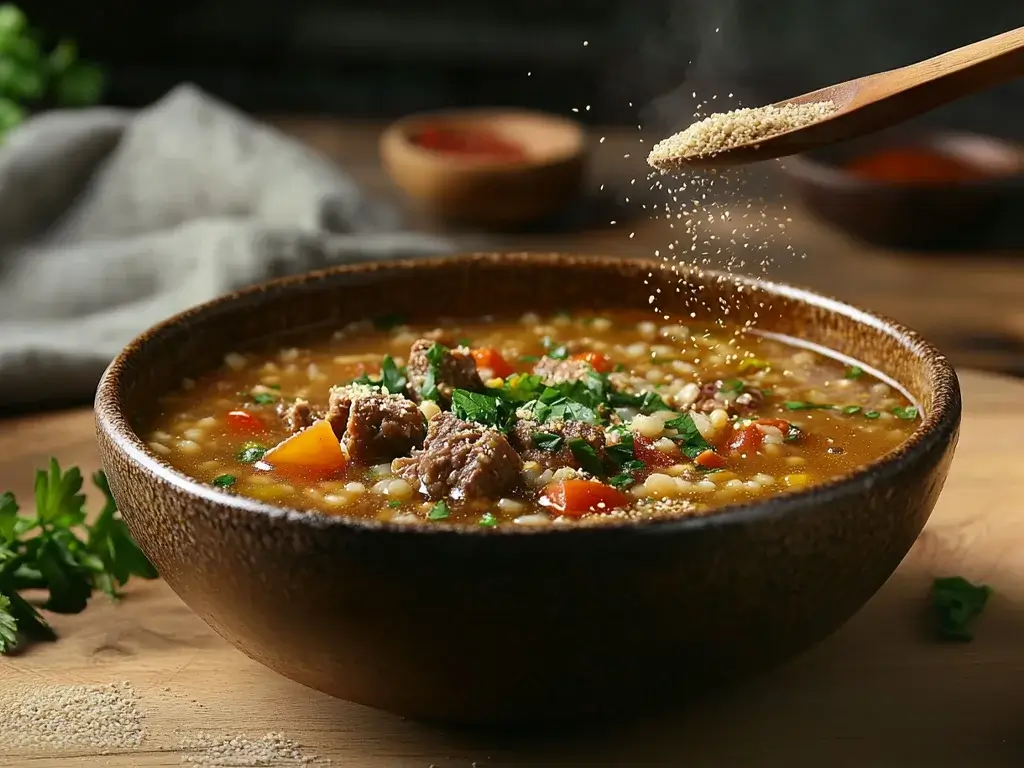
x=111 y=220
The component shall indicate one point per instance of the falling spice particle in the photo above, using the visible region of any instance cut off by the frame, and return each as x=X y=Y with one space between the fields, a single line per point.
x=68 y=717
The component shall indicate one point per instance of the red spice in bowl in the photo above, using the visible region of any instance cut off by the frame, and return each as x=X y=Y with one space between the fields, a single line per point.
x=470 y=144
x=915 y=165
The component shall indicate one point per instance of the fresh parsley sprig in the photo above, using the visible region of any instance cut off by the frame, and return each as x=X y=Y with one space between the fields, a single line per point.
x=55 y=550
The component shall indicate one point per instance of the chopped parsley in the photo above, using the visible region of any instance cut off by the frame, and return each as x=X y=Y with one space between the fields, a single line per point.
x=547 y=441
x=622 y=480
x=394 y=504
x=483 y=409
x=753 y=364
x=690 y=440
x=851 y=410
x=794 y=434
x=957 y=602
x=556 y=352
x=730 y=386
x=264 y=398
x=853 y=372
x=392 y=378
x=435 y=357
x=587 y=457
x=623 y=450
x=250 y=453
x=224 y=481
x=871 y=414
x=272 y=386
x=439 y=511
x=487 y=520
x=907 y=413
x=800 y=405
x=528 y=358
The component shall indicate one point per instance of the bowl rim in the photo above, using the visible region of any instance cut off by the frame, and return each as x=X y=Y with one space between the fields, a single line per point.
x=396 y=134
x=940 y=423
x=807 y=167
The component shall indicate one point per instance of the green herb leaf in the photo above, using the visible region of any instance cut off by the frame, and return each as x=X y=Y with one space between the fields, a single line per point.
x=853 y=372
x=957 y=602
x=483 y=409
x=528 y=358
x=264 y=398
x=871 y=414
x=851 y=410
x=622 y=480
x=250 y=453
x=392 y=378
x=8 y=626
x=730 y=386
x=622 y=451
x=587 y=457
x=554 y=350
x=224 y=481
x=8 y=519
x=799 y=405
x=487 y=520
x=394 y=504
x=439 y=512
x=435 y=358
x=753 y=364
x=907 y=413
x=690 y=440
x=80 y=85
x=547 y=441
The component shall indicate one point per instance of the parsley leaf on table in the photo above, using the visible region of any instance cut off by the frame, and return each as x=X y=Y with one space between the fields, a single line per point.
x=55 y=550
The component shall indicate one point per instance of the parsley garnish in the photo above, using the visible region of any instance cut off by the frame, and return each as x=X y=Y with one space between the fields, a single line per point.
x=394 y=504
x=752 y=363
x=528 y=358
x=907 y=413
x=560 y=352
x=853 y=372
x=730 y=386
x=871 y=414
x=585 y=454
x=250 y=453
x=483 y=409
x=487 y=520
x=224 y=481
x=851 y=410
x=799 y=405
x=439 y=512
x=622 y=451
x=692 y=443
x=621 y=480
x=392 y=378
x=547 y=441
x=435 y=357
x=957 y=602
x=54 y=549
x=264 y=398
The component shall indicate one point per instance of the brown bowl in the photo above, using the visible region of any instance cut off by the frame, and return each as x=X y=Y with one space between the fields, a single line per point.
x=522 y=625
x=921 y=216
x=489 y=192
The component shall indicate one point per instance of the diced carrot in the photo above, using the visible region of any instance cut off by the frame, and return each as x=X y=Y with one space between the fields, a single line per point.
x=575 y=498
x=314 y=452
x=243 y=422
x=597 y=361
x=644 y=450
x=492 y=360
x=709 y=460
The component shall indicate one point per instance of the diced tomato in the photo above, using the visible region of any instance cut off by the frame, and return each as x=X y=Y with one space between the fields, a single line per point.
x=709 y=460
x=644 y=450
x=780 y=424
x=492 y=360
x=313 y=452
x=575 y=498
x=245 y=423
x=597 y=361
x=747 y=439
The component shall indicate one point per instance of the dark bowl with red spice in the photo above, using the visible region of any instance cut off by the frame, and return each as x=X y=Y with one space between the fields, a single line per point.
x=912 y=190
x=494 y=168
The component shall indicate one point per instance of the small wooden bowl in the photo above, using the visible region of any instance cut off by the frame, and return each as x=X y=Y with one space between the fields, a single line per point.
x=489 y=192
x=908 y=215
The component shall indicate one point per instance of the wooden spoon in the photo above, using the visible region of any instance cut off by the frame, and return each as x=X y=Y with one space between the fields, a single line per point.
x=872 y=103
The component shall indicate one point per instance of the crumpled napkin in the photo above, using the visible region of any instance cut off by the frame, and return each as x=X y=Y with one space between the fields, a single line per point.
x=111 y=220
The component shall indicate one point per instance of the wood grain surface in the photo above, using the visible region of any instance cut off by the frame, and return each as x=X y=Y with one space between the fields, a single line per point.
x=881 y=692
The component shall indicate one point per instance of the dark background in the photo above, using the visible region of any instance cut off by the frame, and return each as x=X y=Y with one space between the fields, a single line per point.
x=389 y=57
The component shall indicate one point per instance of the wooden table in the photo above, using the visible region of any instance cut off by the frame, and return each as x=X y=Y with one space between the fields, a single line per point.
x=880 y=693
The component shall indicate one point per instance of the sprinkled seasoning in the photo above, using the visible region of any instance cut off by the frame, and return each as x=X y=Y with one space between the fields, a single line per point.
x=272 y=749
x=67 y=717
x=724 y=130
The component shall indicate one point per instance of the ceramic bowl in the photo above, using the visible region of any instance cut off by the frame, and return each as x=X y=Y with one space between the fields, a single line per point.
x=492 y=193
x=507 y=626
x=912 y=216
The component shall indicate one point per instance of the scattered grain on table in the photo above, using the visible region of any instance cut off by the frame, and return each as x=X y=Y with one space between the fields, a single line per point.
x=272 y=749
x=725 y=130
x=68 y=717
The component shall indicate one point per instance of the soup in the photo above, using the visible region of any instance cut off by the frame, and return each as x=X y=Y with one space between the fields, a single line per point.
x=537 y=421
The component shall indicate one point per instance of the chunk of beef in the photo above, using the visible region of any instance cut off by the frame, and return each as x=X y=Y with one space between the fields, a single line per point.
x=461 y=460
x=372 y=426
x=744 y=403
x=452 y=369
x=297 y=415
x=554 y=371
x=522 y=439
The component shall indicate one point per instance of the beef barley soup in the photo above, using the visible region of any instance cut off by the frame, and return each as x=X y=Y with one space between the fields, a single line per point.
x=535 y=421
